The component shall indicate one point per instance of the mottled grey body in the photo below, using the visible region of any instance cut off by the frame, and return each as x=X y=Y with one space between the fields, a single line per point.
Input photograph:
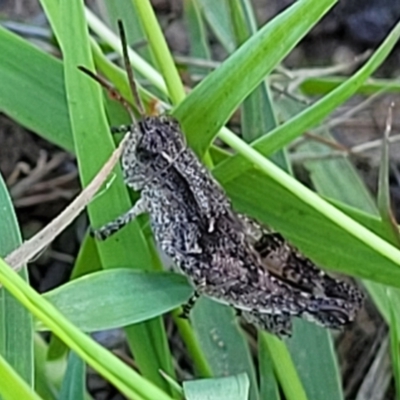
x=226 y=256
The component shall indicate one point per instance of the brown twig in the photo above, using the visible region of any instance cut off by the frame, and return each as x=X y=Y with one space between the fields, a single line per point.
x=17 y=258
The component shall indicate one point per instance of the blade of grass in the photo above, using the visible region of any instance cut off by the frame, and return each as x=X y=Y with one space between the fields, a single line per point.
x=196 y=32
x=268 y=385
x=12 y=385
x=121 y=376
x=390 y=226
x=216 y=13
x=119 y=297
x=231 y=387
x=312 y=350
x=16 y=327
x=284 y=369
x=160 y=50
x=44 y=385
x=223 y=342
x=22 y=85
x=384 y=204
x=207 y=108
x=394 y=341
x=317 y=86
x=291 y=129
x=258 y=116
x=73 y=386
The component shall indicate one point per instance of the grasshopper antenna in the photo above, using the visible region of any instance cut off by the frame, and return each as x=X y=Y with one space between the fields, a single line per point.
x=128 y=68
x=112 y=91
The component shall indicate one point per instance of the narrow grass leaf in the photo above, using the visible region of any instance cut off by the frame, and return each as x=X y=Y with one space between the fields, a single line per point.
x=217 y=16
x=394 y=341
x=12 y=385
x=197 y=34
x=258 y=115
x=113 y=369
x=22 y=86
x=16 y=327
x=318 y=86
x=223 y=343
x=230 y=387
x=269 y=388
x=384 y=203
x=160 y=51
x=312 y=350
x=44 y=385
x=284 y=368
x=310 y=117
x=207 y=108
x=73 y=386
x=119 y=297
x=392 y=233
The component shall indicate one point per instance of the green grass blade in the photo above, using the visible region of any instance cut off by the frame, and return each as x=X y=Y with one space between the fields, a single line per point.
x=284 y=369
x=310 y=117
x=258 y=116
x=196 y=32
x=119 y=297
x=160 y=50
x=12 y=385
x=318 y=86
x=384 y=204
x=119 y=374
x=207 y=108
x=87 y=260
x=44 y=385
x=73 y=386
x=217 y=15
x=222 y=341
x=16 y=327
x=21 y=87
x=313 y=354
x=268 y=385
x=231 y=387
x=394 y=340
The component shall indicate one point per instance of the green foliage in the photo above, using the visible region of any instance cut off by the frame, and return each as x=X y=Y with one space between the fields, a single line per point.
x=118 y=283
